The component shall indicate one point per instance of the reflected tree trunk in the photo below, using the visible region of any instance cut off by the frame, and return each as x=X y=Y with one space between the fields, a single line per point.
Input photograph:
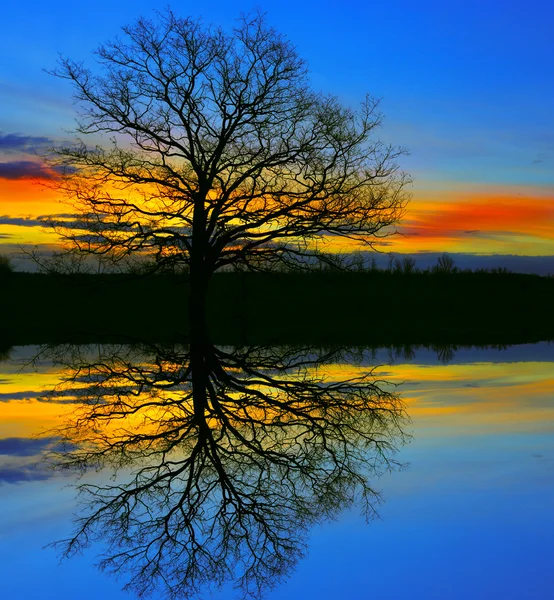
x=217 y=461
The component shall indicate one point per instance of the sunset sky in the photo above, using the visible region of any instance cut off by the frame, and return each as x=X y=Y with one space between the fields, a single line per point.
x=466 y=86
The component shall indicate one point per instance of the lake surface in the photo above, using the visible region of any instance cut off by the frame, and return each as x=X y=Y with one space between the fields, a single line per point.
x=465 y=511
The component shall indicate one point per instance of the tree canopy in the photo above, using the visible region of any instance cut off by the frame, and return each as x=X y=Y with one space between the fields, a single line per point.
x=220 y=153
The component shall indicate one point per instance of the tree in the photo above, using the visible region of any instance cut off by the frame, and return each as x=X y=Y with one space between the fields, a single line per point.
x=222 y=459
x=220 y=153
x=6 y=267
x=445 y=264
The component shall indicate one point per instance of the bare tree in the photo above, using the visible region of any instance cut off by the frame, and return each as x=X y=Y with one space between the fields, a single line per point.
x=224 y=458
x=220 y=153
x=445 y=264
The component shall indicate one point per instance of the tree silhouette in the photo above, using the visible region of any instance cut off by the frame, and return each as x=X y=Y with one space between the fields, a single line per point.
x=220 y=153
x=223 y=458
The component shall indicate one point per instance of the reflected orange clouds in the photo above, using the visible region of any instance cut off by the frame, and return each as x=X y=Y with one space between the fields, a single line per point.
x=484 y=395
x=24 y=415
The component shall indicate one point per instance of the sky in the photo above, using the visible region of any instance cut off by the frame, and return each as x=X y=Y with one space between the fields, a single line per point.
x=465 y=86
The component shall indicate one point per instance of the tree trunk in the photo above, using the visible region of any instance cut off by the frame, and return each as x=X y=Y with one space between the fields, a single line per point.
x=198 y=325
x=199 y=376
x=200 y=274
x=198 y=293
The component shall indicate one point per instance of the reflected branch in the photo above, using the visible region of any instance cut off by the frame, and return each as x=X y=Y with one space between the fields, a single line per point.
x=221 y=458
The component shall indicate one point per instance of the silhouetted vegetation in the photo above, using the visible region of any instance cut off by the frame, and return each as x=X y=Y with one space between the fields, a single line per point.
x=324 y=307
x=222 y=458
x=6 y=267
x=222 y=155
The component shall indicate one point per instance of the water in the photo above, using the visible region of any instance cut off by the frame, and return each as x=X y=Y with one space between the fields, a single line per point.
x=469 y=514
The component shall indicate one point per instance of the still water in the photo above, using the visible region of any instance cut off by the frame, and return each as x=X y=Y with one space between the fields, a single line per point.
x=456 y=448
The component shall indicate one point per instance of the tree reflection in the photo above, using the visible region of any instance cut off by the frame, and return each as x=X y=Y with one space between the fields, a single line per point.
x=222 y=458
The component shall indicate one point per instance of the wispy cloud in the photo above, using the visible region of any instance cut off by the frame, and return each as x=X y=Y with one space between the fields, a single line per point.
x=23 y=395
x=482 y=216
x=26 y=169
x=23 y=446
x=23 y=221
x=29 y=144
x=26 y=151
x=26 y=473
x=20 y=451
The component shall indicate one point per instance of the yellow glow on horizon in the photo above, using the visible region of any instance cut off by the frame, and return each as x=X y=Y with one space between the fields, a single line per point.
x=490 y=221
x=30 y=235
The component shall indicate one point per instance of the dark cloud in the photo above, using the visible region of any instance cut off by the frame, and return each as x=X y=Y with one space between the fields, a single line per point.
x=23 y=446
x=43 y=220
x=72 y=398
x=23 y=474
x=68 y=221
x=57 y=217
x=14 y=142
x=25 y=169
x=9 y=396
x=542 y=157
x=22 y=221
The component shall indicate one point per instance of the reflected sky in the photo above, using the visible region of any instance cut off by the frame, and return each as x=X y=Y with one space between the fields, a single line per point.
x=469 y=517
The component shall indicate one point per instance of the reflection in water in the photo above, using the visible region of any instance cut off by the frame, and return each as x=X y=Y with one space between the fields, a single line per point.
x=221 y=458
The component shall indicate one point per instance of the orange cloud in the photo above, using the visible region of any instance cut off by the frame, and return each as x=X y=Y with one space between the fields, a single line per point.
x=519 y=222
x=480 y=223
x=23 y=196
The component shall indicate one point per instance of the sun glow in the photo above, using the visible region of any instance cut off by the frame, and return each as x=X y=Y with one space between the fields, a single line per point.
x=479 y=223
x=492 y=222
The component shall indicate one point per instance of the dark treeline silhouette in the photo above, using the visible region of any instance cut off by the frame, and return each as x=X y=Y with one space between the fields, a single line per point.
x=223 y=457
x=320 y=307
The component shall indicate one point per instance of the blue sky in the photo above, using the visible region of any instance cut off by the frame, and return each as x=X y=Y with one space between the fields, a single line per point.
x=466 y=87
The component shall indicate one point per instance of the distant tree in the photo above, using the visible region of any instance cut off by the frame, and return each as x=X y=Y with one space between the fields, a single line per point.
x=445 y=264
x=406 y=266
x=220 y=153
x=6 y=266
